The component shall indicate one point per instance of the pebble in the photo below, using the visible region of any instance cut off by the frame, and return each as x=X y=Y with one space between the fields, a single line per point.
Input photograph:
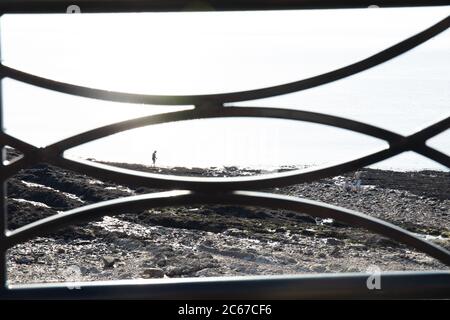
x=153 y=273
x=336 y=252
x=108 y=261
x=24 y=260
x=318 y=268
x=333 y=241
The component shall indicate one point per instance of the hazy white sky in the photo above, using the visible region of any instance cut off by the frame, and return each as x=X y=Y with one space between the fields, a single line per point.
x=174 y=52
x=193 y=53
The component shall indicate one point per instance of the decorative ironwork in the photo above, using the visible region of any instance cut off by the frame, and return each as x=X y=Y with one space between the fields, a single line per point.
x=236 y=190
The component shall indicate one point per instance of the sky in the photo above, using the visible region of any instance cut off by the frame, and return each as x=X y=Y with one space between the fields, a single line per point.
x=198 y=53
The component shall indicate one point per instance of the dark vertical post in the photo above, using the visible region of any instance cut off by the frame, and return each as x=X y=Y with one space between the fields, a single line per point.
x=3 y=213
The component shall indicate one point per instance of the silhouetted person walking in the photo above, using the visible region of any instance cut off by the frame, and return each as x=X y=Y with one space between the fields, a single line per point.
x=154 y=157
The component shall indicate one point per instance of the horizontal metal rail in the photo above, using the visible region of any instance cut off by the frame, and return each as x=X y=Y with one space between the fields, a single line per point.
x=395 y=285
x=101 y=6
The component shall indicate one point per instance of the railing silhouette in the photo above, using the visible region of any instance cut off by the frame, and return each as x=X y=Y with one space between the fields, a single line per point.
x=236 y=190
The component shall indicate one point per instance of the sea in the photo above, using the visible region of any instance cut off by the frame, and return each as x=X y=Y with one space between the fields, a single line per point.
x=200 y=53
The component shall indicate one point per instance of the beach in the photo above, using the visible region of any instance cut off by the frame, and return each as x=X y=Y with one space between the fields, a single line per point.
x=222 y=240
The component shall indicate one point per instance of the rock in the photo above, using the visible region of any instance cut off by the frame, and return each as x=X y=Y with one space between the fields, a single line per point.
x=352 y=269
x=161 y=261
x=336 y=252
x=108 y=261
x=235 y=232
x=333 y=241
x=290 y=260
x=128 y=244
x=93 y=270
x=376 y=240
x=338 y=224
x=126 y=275
x=153 y=273
x=24 y=260
x=82 y=270
x=318 y=268
x=241 y=269
x=308 y=232
x=357 y=246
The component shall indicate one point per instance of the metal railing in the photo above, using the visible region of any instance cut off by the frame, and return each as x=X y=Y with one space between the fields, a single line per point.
x=236 y=190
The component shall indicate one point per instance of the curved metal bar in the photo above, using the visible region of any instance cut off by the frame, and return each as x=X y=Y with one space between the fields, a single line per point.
x=101 y=132
x=208 y=184
x=20 y=163
x=337 y=74
x=417 y=142
x=136 y=178
x=18 y=144
x=51 y=153
x=433 y=154
x=432 y=130
x=226 y=112
x=136 y=204
x=152 y=180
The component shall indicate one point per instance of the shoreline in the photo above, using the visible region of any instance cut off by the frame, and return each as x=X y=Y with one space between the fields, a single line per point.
x=261 y=169
x=419 y=182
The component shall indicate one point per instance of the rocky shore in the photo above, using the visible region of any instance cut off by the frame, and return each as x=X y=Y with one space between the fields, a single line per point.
x=222 y=240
